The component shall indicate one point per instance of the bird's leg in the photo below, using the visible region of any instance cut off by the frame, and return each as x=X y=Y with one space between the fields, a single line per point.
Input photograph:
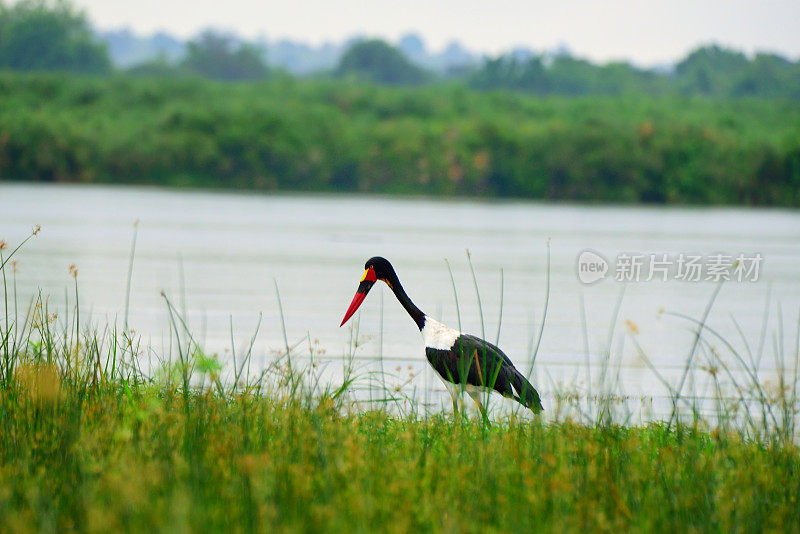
x=454 y=395
x=476 y=397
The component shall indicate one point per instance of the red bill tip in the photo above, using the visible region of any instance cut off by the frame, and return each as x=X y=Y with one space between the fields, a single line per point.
x=357 y=300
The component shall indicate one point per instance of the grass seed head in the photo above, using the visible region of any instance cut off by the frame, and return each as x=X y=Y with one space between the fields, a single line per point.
x=632 y=327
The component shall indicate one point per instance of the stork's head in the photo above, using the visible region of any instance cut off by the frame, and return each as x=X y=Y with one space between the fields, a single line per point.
x=375 y=269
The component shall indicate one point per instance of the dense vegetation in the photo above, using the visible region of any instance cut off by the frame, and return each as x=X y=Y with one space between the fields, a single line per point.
x=340 y=136
x=634 y=136
x=95 y=439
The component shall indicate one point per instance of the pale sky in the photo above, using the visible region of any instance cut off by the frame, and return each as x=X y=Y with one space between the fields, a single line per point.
x=638 y=30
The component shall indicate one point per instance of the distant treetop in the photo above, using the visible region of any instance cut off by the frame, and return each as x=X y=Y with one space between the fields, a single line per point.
x=38 y=35
x=215 y=55
x=377 y=61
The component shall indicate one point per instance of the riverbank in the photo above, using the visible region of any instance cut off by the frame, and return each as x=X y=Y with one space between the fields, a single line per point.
x=102 y=432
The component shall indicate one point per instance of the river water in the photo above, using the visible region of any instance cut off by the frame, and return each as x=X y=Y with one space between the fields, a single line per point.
x=219 y=257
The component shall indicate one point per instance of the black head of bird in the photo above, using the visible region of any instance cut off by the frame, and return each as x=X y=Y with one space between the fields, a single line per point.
x=375 y=269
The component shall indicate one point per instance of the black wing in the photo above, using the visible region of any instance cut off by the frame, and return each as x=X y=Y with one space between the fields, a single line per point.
x=474 y=361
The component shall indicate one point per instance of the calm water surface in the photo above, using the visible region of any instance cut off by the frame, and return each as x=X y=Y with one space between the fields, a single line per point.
x=218 y=256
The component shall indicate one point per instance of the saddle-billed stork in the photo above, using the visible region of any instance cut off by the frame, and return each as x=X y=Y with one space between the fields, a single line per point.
x=462 y=361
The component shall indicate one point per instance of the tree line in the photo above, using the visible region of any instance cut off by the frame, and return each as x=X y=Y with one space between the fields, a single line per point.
x=710 y=71
x=46 y=35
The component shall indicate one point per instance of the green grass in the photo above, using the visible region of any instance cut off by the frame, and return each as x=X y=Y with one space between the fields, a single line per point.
x=151 y=457
x=95 y=439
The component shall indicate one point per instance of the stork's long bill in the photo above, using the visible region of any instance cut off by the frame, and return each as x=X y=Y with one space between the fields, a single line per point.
x=367 y=281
